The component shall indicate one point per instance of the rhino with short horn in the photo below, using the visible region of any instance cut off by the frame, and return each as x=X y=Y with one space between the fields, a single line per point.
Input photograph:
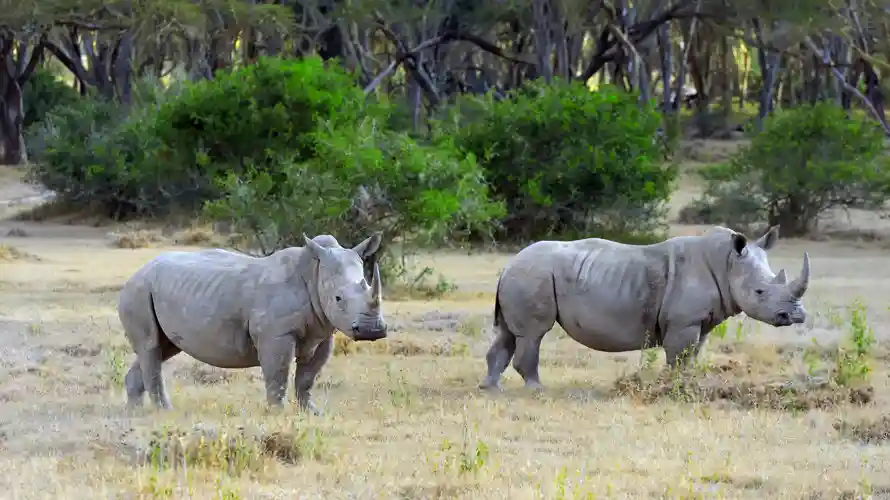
x=232 y=310
x=614 y=297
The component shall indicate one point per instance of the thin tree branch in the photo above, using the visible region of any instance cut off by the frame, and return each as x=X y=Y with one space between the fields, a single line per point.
x=840 y=77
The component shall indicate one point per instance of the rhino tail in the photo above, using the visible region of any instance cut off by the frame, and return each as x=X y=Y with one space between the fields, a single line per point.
x=497 y=305
x=154 y=316
x=157 y=331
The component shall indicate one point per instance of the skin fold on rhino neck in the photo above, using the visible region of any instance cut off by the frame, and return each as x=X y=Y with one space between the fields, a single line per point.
x=722 y=264
x=314 y=296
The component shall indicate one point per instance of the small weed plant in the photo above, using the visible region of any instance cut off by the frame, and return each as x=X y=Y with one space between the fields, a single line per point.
x=853 y=360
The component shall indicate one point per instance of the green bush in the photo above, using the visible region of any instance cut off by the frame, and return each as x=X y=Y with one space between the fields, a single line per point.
x=569 y=161
x=42 y=93
x=806 y=160
x=256 y=112
x=169 y=149
x=359 y=179
x=95 y=152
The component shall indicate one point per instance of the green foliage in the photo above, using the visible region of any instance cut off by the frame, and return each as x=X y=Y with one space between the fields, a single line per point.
x=269 y=107
x=358 y=179
x=852 y=363
x=569 y=161
x=95 y=152
x=169 y=149
x=805 y=161
x=42 y=93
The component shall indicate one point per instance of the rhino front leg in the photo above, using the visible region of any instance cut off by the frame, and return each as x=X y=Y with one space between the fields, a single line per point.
x=681 y=345
x=276 y=355
x=309 y=364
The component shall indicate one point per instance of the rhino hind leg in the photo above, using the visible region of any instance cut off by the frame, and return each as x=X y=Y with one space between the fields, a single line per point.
x=531 y=315
x=134 y=381
x=498 y=358
x=151 y=345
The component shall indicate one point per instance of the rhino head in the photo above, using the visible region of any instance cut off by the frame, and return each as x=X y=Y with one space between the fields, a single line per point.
x=351 y=304
x=758 y=292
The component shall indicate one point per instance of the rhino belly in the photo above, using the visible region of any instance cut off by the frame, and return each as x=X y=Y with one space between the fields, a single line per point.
x=605 y=327
x=221 y=342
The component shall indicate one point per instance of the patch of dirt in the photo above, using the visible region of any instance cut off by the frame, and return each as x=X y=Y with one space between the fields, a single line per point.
x=734 y=382
x=81 y=351
x=865 y=431
x=438 y=321
x=17 y=232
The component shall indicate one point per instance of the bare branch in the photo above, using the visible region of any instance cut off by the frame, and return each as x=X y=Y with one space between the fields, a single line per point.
x=850 y=88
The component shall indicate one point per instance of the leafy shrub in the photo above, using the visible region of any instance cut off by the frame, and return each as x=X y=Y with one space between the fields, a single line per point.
x=569 y=161
x=358 y=179
x=268 y=107
x=42 y=93
x=171 y=147
x=806 y=160
x=95 y=152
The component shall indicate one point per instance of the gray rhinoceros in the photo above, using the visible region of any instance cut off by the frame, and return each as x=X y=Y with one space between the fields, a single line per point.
x=614 y=297
x=232 y=310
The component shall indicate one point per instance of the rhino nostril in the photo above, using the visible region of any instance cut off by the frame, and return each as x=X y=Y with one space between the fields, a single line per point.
x=783 y=317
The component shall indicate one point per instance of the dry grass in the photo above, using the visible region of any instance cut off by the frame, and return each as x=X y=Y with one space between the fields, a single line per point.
x=150 y=237
x=10 y=253
x=404 y=418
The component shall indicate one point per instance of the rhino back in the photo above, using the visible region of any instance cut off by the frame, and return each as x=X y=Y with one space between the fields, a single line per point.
x=616 y=297
x=609 y=294
x=202 y=303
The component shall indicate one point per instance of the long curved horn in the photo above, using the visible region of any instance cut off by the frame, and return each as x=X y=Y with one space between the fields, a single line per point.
x=798 y=287
x=376 y=286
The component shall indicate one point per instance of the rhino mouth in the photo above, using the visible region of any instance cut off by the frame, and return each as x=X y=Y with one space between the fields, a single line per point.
x=369 y=333
x=785 y=319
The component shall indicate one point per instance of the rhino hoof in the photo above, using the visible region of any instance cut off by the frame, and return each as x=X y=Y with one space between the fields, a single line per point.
x=312 y=409
x=534 y=386
x=490 y=386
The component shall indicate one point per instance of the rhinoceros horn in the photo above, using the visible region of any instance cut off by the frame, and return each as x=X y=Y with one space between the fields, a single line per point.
x=798 y=287
x=376 y=287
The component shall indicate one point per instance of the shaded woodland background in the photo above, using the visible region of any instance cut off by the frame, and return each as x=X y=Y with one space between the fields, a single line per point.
x=446 y=121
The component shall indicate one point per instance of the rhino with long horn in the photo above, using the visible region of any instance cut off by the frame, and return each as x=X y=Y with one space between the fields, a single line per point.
x=614 y=297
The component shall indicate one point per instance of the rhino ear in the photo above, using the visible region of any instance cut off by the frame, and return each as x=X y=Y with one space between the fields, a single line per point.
x=739 y=242
x=367 y=250
x=317 y=250
x=369 y=247
x=769 y=239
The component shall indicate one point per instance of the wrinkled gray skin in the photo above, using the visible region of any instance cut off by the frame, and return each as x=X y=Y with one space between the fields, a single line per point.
x=232 y=310
x=613 y=297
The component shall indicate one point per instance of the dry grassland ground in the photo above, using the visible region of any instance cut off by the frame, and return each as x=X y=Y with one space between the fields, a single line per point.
x=404 y=419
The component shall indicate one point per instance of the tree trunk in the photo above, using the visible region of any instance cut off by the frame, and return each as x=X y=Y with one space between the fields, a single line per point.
x=11 y=119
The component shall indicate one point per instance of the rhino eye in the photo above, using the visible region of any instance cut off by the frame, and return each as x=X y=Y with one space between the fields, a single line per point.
x=338 y=298
x=758 y=292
